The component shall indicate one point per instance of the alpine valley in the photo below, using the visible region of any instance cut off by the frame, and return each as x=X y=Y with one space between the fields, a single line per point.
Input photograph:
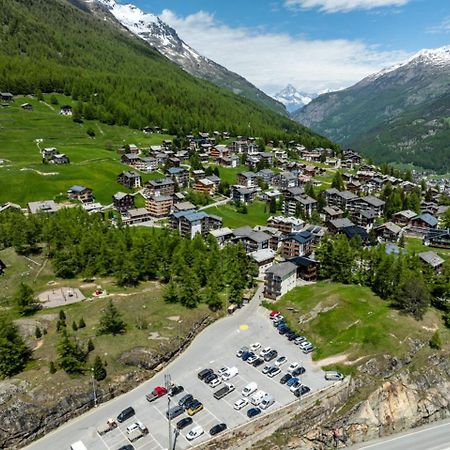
x=399 y=115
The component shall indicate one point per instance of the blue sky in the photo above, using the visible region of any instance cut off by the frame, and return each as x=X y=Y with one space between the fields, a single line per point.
x=312 y=44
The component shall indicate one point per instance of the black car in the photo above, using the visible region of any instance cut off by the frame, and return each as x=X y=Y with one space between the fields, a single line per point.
x=189 y=403
x=252 y=412
x=298 y=371
x=210 y=377
x=283 y=330
x=183 y=423
x=186 y=398
x=247 y=355
x=127 y=447
x=204 y=373
x=258 y=362
x=302 y=390
x=175 y=390
x=281 y=325
x=125 y=414
x=285 y=378
x=216 y=429
x=271 y=355
x=291 y=336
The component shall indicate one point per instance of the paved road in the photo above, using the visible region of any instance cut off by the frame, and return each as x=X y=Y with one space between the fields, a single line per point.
x=431 y=437
x=214 y=347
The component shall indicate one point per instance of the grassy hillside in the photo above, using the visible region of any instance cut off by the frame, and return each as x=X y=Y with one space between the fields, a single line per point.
x=52 y=45
x=94 y=161
x=257 y=214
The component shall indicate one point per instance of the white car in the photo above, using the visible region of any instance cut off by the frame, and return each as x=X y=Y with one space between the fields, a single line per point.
x=264 y=351
x=252 y=359
x=280 y=361
x=267 y=368
x=293 y=366
x=295 y=386
x=299 y=340
x=214 y=383
x=196 y=432
x=241 y=351
x=274 y=373
x=230 y=373
x=222 y=370
x=255 y=346
x=241 y=403
x=249 y=389
x=278 y=318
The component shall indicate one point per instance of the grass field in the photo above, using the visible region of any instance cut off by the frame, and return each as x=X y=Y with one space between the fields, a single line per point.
x=352 y=321
x=94 y=161
x=415 y=245
x=229 y=174
x=258 y=213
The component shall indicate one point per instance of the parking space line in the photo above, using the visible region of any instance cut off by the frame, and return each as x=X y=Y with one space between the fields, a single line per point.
x=103 y=442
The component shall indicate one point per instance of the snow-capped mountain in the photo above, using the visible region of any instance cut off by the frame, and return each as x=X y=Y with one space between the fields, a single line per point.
x=165 y=39
x=399 y=114
x=293 y=99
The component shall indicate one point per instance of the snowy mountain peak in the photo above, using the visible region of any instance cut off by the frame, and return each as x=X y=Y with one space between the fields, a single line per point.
x=293 y=99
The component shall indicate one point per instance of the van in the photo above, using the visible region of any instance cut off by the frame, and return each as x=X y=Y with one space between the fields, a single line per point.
x=249 y=389
x=230 y=373
x=267 y=401
x=78 y=446
x=334 y=376
x=125 y=414
x=257 y=397
x=175 y=411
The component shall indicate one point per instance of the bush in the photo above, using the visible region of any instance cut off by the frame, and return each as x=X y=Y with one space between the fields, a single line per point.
x=435 y=341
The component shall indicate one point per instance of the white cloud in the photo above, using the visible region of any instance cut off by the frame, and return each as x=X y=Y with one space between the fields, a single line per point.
x=272 y=60
x=443 y=27
x=334 y=6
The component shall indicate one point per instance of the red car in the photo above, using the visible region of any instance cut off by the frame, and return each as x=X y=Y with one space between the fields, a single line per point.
x=159 y=391
x=274 y=314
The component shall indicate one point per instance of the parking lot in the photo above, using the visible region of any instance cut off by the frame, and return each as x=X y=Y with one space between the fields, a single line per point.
x=216 y=347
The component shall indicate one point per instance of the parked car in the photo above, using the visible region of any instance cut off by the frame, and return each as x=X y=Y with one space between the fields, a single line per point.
x=271 y=355
x=252 y=412
x=274 y=372
x=257 y=397
x=241 y=403
x=126 y=447
x=293 y=366
x=298 y=371
x=110 y=425
x=186 y=398
x=223 y=391
x=280 y=361
x=157 y=392
x=278 y=319
x=175 y=411
x=175 y=390
x=267 y=401
x=222 y=370
x=292 y=336
x=304 y=344
x=255 y=346
x=125 y=414
x=231 y=373
x=285 y=378
x=204 y=373
x=249 y=389
x=136 y=430
x=258 y=362
x=302 y=390
x=333 y=376
x=214 y=383
x=241 y=351
x=252 y=359
x=292 y=381
x=267 y=368
x=264 y=351
x=283 y=330
x=247 y=355
x=295 y=385
x=308 y=348
x=183 y=423
x=196 y=432
x=299 y=340
x=210 y=377
x=274 y=314
x=216 y=429
x=194 y=408
x=188 y=404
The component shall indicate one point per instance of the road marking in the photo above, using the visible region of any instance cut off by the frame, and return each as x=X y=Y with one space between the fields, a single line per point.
x=243 y=327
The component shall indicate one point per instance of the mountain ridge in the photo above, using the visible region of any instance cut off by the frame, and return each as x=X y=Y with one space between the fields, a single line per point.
x=293 y=99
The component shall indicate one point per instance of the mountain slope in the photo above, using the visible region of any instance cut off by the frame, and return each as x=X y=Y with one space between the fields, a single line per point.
x=401 y=114
x=54 y=45
x=165 y=39
x=293 y=99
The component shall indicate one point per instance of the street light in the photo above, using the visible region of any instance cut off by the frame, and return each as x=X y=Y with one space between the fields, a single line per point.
x=93 y=388
x=168 y=383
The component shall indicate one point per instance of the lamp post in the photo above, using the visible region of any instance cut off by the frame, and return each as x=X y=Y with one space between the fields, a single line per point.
x=93 y=388
x=168 y=383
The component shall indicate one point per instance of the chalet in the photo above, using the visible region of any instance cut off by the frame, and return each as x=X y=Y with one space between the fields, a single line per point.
x=365 y=203
x=204 y=186
x=159 y=205
x=306 y=268
x=365 y=217
x=2 y=267
x=178 y=175
x=147 y=164
x=276 y=236
x=228 y=161
x=252 y=240
x=264 y=260
x=65 y=110
x=297 y=244
x=219 y=151
x=285 y=180
x=222 y=235
x=310 y=171
x=130 y=159
x=183 y=206
x=266 y=175
x=247 y=179
x=242 y=194
x=27 y=106
x=388 y=232
x=351 y=155
x=354 y=231
x=403 y=217
x=129 y=179
x=47 y=206
x=160 y=186
x=215 y=179
x=189 y=224
x=438 y=238
x=6 y=97
x=136 y=216
x=123 y=202
x=80 y=193
x=198 y=174
x=354 y=186
x=433 y=260
x=286 y=225
x=331 y=213
x=337 y=225
x=424 y=221
x=267 y=157
x=317 y=231
x=280 y=279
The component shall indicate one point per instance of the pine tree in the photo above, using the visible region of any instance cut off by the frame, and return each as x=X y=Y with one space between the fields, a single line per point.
x=25 y=300
x=62 y=315
x=99 y=371
x=90 y=346
x=190 y=289
x=111 y=321
x=70 y=357
x=14 y=353
x=413 y=295
x=273 y=205
x=74 y=326
x=81 y=323
x=212 y=297
x=38 y=333
x=170 y=294
x=52 y=367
